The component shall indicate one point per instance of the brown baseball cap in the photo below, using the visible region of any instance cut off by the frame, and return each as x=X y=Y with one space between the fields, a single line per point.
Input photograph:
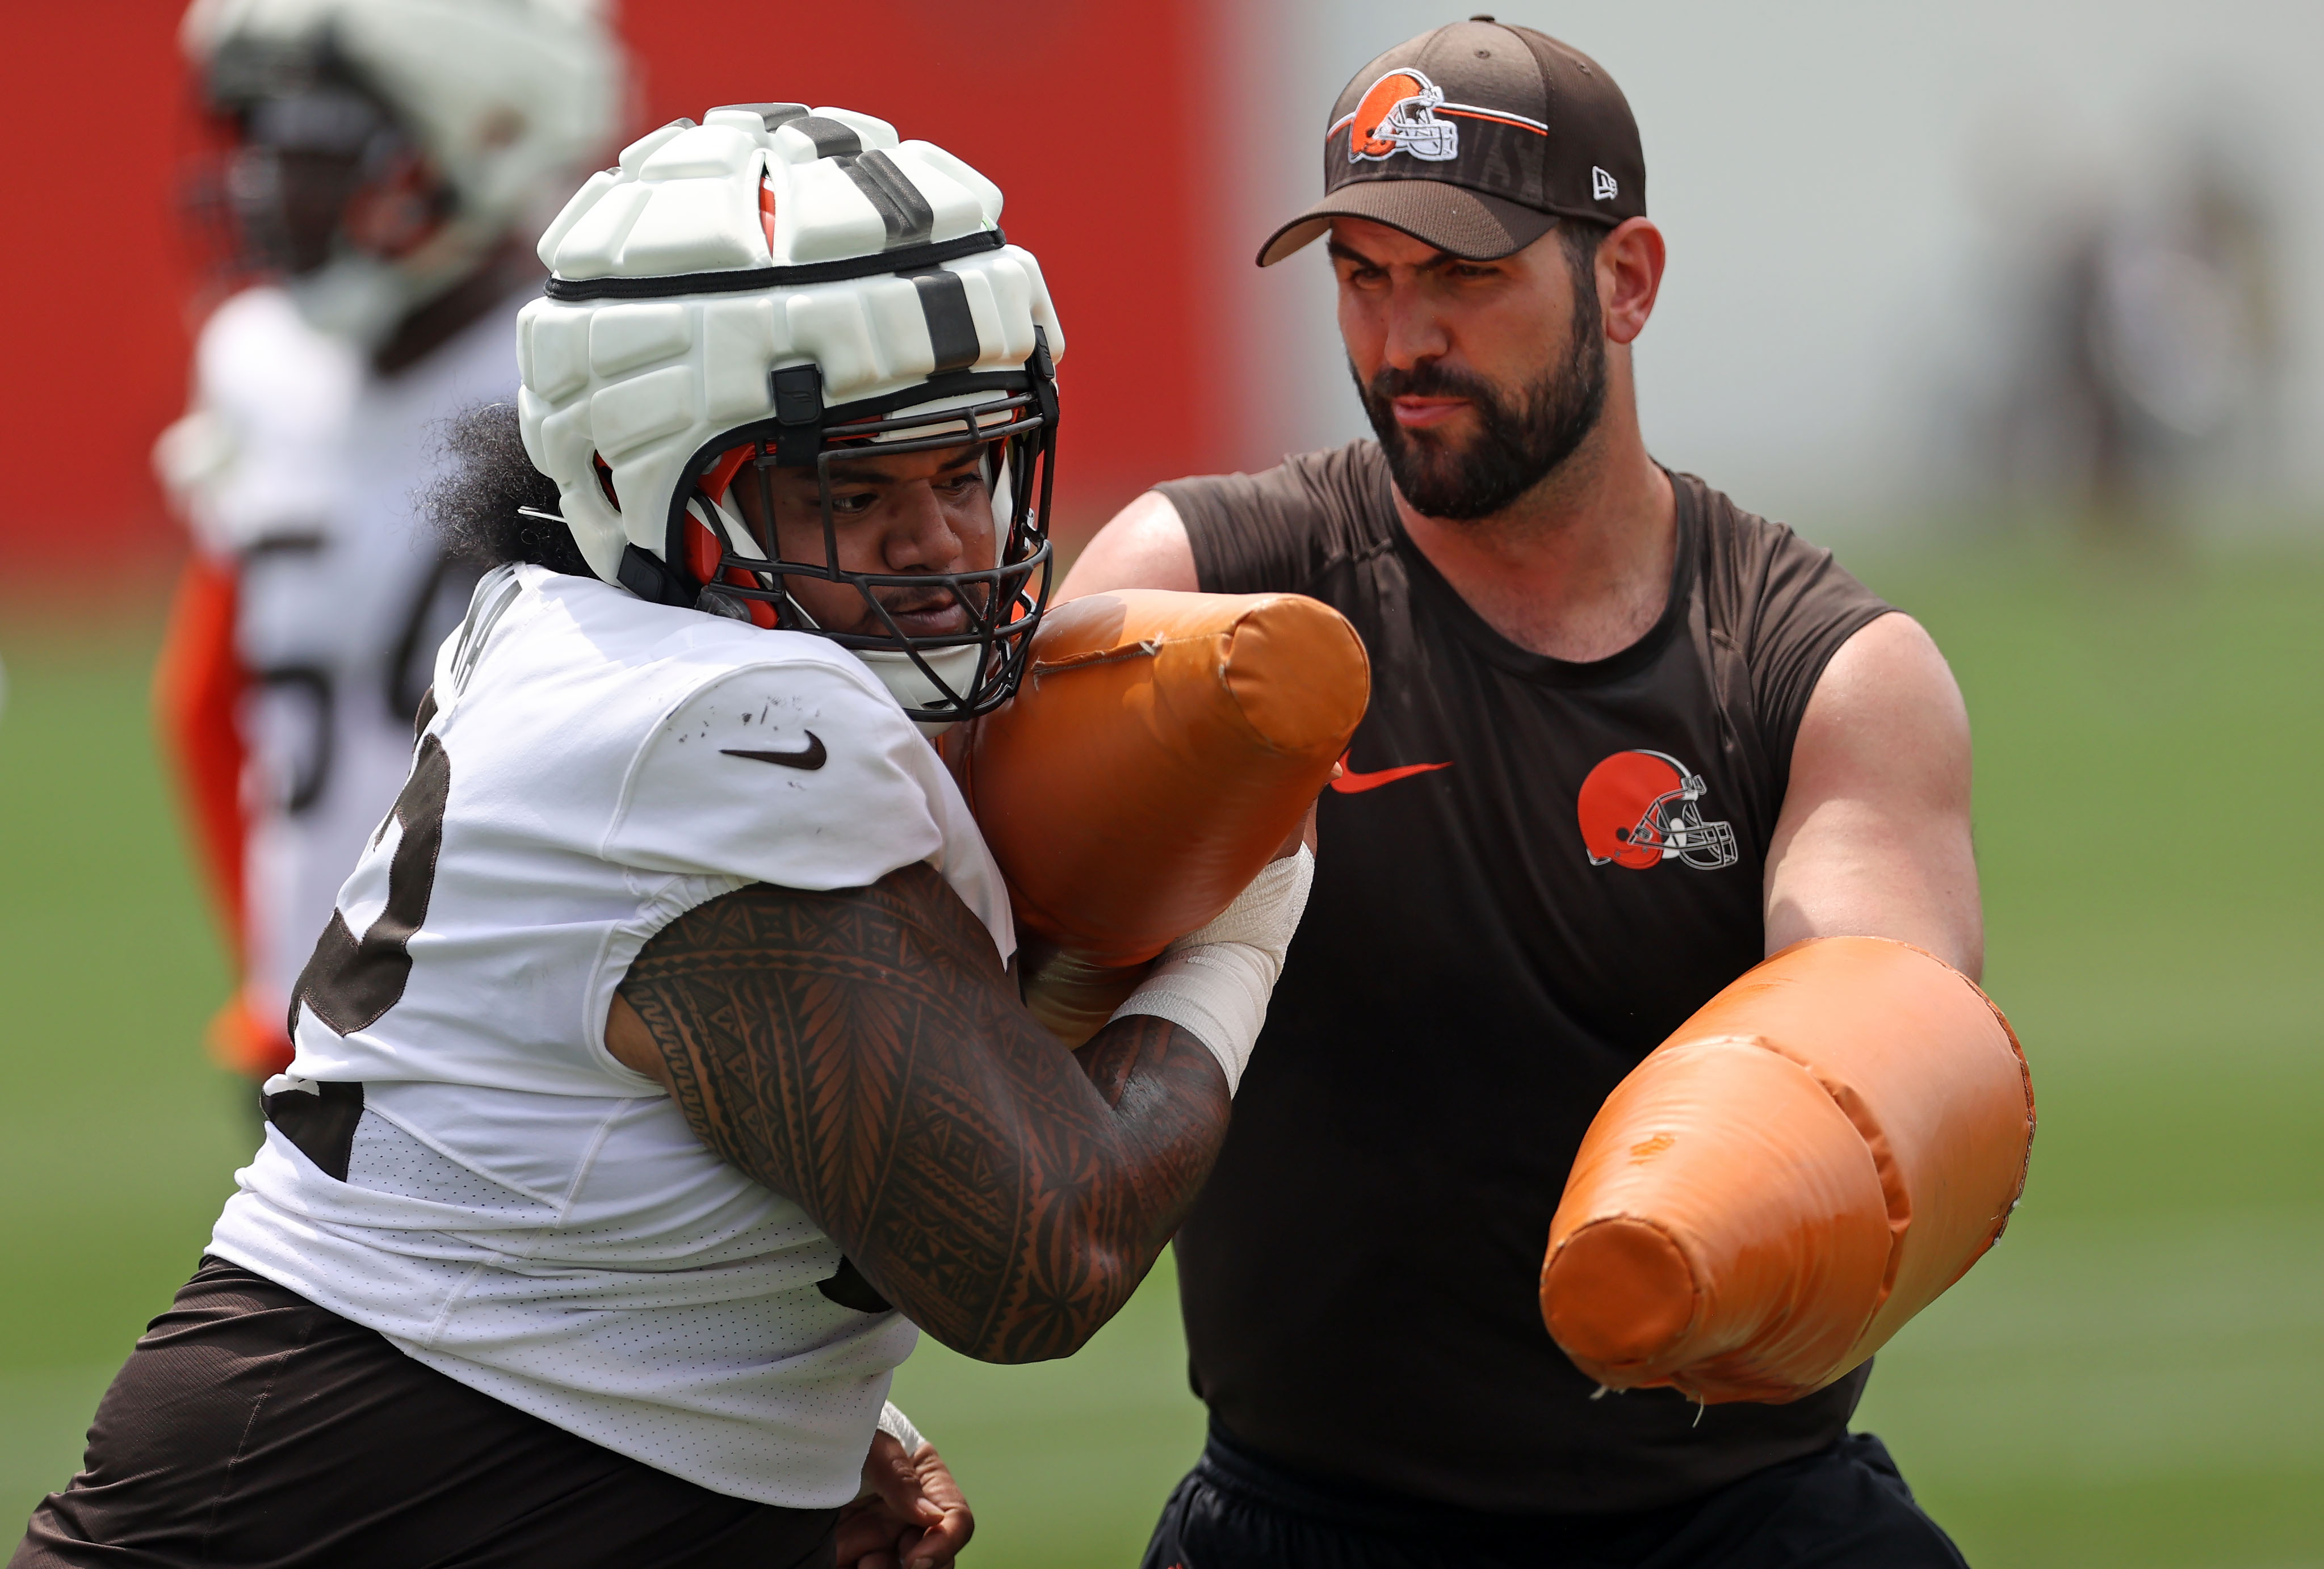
x=1476 y=137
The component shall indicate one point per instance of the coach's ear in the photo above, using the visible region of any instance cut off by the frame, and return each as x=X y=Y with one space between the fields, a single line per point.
x=1629 y=278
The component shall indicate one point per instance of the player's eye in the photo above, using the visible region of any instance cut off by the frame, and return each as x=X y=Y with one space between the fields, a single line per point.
x=852 y=504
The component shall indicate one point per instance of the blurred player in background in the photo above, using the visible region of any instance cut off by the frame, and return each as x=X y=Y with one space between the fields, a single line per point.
x=1625 y=738
x=2154 y=356
x=387 y=165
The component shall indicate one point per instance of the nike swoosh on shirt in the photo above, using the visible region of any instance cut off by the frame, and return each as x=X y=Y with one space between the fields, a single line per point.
x=812 y=757
x=1351 y=783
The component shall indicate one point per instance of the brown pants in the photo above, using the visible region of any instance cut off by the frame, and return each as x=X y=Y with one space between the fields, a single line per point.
x=250 y=1430
x=1841 y=1507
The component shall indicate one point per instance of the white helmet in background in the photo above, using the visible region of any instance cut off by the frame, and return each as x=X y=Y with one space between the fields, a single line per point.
x=779 y=288
x=493 y=104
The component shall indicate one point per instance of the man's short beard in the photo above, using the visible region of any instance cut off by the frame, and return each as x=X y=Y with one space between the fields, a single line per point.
x=1523 y=439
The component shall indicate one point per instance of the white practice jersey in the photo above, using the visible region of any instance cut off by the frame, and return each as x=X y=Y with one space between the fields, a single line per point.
x=518 y=1210
x=298 y=467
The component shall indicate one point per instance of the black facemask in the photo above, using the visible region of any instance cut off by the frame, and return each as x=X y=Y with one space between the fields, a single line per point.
x=1524 y=438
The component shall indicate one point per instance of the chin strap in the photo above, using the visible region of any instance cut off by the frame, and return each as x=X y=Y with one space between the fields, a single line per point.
x=909 y=686
x=644 y=575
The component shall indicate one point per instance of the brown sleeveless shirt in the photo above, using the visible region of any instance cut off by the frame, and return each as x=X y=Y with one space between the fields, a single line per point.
x=1533 y=871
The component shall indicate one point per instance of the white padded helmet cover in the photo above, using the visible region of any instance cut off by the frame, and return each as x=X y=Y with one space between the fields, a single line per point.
x=644 y=384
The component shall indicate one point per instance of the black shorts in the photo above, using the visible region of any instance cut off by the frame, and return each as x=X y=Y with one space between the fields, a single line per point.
x=250 y=1430
x=1843 y=1506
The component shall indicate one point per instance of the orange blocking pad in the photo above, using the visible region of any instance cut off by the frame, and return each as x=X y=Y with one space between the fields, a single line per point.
x=1162 y=748
x=1806 y=1163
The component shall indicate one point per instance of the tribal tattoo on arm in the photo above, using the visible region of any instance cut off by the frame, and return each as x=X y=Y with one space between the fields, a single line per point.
x=863 y=1052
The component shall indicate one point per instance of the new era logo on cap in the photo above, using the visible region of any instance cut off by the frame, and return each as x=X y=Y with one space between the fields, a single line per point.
x=1476 y=137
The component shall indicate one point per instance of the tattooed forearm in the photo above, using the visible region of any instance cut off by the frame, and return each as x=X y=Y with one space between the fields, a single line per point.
x=863 y=1053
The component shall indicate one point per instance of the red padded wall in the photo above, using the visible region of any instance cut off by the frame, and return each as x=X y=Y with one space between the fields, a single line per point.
x=1069 y=107
x=95 y=334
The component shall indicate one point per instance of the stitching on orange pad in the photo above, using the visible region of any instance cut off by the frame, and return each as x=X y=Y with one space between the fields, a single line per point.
x=1146 y=648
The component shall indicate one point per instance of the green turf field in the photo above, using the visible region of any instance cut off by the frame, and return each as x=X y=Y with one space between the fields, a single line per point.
x=2134 y=1378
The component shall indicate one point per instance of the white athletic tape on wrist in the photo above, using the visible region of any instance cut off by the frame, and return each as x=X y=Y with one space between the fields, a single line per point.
x=1215 y=983
x=899 y=1426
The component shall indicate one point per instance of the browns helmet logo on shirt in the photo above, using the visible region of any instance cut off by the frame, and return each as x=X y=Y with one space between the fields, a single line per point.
x=1641 y=808
x=1398 y=114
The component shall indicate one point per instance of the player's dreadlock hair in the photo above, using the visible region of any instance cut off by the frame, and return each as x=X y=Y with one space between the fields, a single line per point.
x=487 y=477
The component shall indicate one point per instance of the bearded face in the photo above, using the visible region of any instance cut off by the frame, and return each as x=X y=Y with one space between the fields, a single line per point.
x=1523 y=433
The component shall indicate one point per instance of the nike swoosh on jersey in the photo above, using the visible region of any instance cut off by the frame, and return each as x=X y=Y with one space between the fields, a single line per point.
x=1351 y=783
x=810 y=757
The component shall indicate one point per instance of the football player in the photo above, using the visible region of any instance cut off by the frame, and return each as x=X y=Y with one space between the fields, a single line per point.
x=384 y=167
x=661 y=1073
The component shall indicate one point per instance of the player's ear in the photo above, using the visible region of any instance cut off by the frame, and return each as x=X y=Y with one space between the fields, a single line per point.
x=1629 y=275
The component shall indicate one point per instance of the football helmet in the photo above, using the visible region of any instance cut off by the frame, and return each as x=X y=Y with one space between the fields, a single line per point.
x=383 y=148
x=1641 y=808
x=781 y=288
x=1398 y=114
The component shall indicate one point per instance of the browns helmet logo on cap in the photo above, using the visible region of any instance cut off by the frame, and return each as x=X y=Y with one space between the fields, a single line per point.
x=1641 y=808
x=1398 y=114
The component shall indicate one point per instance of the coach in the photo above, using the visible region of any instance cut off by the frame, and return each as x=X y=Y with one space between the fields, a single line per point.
x=1625 y=738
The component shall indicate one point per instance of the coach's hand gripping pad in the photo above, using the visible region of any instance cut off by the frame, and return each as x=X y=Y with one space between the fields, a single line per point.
x=1160 y=751
x=1805 y=1164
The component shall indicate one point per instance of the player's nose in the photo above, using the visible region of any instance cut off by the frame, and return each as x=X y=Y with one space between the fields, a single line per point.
x=920 y=537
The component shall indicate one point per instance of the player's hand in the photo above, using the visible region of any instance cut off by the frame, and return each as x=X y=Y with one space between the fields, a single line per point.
x=1305 y=834
x=914 y=1517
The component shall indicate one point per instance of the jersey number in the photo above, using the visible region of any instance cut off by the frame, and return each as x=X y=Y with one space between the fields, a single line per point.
x=350 y=983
